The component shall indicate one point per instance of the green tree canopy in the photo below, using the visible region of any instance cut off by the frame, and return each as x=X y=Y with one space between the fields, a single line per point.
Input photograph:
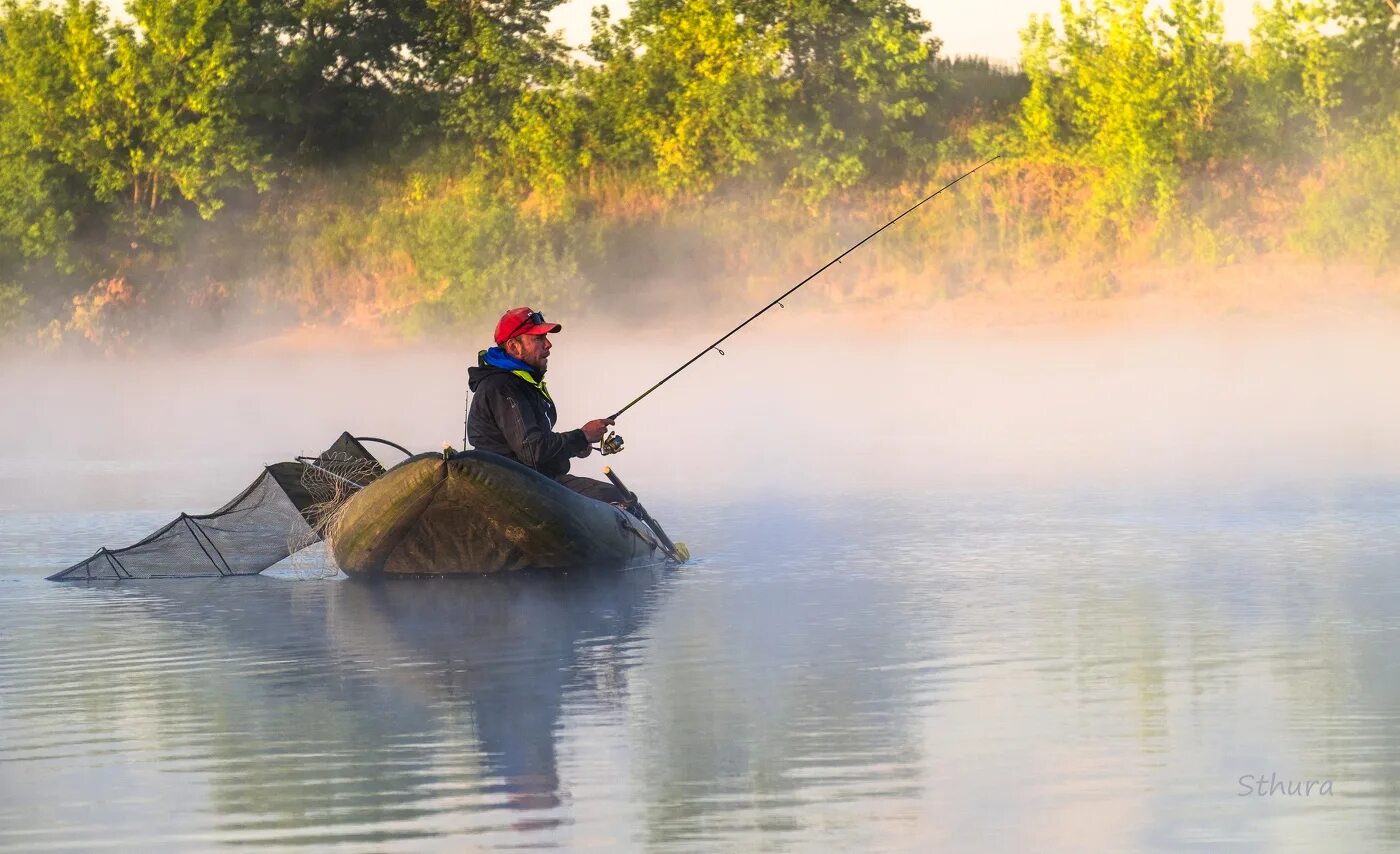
x=684 y=89
x=39 y=191
x=828 y=93
x=142 y=115
x=861 y=78
x=1295 y=74
x=327 y=78
x=1137 y=92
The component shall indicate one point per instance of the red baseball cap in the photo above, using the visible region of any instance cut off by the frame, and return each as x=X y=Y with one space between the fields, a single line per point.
x=523 y=321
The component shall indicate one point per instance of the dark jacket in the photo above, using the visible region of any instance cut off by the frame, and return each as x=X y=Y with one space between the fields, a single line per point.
x=511 y=414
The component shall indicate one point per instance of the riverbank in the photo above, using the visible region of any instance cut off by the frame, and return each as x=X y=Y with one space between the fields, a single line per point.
x=1061 y=297
x=1278 y=290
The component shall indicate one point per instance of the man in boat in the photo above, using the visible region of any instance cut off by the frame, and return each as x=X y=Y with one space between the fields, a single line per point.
x=513 y=415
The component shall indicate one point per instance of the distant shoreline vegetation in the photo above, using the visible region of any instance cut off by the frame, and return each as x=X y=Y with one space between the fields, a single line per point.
x=191 y=163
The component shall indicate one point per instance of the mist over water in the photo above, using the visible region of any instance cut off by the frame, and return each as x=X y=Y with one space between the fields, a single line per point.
x=801 y=402
x=1008 y=587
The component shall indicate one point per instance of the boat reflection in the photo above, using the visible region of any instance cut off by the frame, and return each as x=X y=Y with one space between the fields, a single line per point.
x=510 y=648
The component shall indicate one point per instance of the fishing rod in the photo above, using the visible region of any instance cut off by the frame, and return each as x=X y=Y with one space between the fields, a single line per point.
x=616 y=444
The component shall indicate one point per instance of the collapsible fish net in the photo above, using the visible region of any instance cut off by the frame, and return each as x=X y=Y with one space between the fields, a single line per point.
x=329 y=480
x=280 y=513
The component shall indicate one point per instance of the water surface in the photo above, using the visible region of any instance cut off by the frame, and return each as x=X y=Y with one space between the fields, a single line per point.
x=1008 y=669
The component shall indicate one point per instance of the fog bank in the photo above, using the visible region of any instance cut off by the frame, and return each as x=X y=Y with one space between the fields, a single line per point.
x=801 y=402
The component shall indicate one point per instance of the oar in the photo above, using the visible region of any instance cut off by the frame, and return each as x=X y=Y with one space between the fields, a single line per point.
x=677 y=551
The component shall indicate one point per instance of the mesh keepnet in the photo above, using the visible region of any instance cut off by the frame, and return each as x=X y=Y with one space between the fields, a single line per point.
x=268 y=521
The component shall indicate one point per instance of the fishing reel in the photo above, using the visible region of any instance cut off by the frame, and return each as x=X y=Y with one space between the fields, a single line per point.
x=611 y=444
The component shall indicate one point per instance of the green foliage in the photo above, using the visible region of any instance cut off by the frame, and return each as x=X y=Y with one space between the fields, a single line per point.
x=12 y=302
x=1295 y=74
x=685 y=91
x=472 y=251
x=487 y=56
x=427 y=160
x=1320 y=64
x=322 y=79
x=1370 y=48
x=143 y=119
x=429 y=249
x=1199 y=69
x=822 y=95
x=974 y=89
x=38 y=196
x=861 y=78
x=176 y=133
x=1357 y=211
x=1044 y=119
x=1135 y=94
x=541 y=146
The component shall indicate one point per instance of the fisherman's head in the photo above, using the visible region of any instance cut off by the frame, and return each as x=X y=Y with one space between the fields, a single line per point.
x=522 y=333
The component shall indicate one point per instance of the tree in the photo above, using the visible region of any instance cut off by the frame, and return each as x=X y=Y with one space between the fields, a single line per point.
x=326 y=79
x=685 y=89
x=1295 y=74
x=1135 y=93
x=1371 y=40
x=487 y=56
x=1043 y=118
x=179 y=135
x=322 y=79
x=38 y=202
x=143 y=117
x=1357 y=211
x=826 y=94
x=1200 y=69
x=862 y=77
x=542 y=144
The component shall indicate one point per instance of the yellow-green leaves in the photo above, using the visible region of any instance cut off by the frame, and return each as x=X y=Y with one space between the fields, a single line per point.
x=688 y=92
x=1133 y=91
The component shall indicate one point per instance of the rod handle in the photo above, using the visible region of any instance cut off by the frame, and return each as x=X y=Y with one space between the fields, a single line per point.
x=617 y=482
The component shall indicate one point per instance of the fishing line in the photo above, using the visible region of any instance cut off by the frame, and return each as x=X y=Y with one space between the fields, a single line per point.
x=791 y=290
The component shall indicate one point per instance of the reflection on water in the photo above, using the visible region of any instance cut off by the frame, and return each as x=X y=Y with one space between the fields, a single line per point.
x=1022 y=671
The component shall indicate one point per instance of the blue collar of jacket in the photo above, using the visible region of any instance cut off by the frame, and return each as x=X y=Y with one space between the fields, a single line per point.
x=498 y=358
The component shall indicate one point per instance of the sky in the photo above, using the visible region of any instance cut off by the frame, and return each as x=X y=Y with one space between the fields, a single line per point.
x=987 y=27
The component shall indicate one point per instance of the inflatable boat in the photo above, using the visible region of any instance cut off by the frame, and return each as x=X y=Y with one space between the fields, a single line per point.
x=474 y=512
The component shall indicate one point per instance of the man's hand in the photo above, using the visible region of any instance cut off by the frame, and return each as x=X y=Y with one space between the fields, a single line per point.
x=594 y=430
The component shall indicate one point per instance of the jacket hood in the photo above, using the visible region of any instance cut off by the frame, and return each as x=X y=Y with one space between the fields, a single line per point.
x=495 y=361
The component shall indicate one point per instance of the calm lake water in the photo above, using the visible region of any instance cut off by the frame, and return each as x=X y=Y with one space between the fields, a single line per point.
x=1038 y=669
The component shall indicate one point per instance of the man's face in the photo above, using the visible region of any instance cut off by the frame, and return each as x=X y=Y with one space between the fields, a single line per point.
x=533 y=350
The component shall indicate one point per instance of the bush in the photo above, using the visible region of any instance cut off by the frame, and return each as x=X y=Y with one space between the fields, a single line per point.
x=12 y=302
x=1355 y=208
